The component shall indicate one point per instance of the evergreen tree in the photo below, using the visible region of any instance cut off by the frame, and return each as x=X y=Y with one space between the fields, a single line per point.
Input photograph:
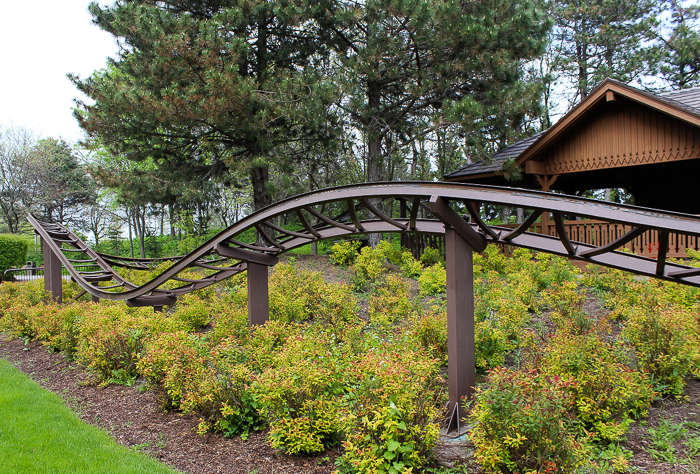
x=209 y=86
x=413 y=68
x=675 y=57
x=593 y=40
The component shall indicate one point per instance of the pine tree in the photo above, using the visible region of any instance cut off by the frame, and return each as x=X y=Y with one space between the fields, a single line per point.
x=210 y=85
x=593 y=40
x=676 y=55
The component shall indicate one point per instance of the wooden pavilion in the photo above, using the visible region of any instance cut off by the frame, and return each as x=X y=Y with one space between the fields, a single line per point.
x=618 y=137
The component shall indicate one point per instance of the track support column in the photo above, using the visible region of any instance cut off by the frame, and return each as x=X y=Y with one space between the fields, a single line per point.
x=461 y=370
x=258 y=294
x=52 y=274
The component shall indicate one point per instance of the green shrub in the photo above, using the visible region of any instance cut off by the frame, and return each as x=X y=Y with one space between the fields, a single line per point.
x=299 y=295
x=521 y=424
x=391 y=252
x=368 y=268
x=193 y=311
x=666 y=343
x=344 y=253
x=390 y=301
x=299 y=391
x=410 y=267
x=606 y=393
x=394 y=398
x=13 y=251
x=431 y=256
x=431 y=331
x=433 y=281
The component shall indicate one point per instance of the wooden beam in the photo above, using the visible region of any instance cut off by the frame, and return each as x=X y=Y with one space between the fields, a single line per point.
x=461 y=365
x=258 y=294
x=610 y=96
x=534 y=167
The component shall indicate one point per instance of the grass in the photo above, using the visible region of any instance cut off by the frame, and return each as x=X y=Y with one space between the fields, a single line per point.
x=39 y=434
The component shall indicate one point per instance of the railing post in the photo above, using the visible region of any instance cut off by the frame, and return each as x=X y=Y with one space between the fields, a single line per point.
x=258 y=295
x=460 y=324
x=52 y=274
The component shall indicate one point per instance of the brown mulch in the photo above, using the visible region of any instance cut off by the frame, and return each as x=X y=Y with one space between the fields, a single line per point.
x=133 y=418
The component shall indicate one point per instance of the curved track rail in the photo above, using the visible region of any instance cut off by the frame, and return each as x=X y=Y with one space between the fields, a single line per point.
x=287 y=225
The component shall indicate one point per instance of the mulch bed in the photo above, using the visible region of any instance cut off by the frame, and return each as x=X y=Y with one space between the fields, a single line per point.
x=134 y=419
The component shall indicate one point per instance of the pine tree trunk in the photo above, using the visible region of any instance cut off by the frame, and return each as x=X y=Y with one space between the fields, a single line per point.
x=375 y=166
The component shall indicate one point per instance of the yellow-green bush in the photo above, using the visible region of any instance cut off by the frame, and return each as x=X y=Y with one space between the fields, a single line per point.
x=394 y=396
x=368 y=268
x=299 y=295
x=606 y=393
x=433 y=281
x=193 y=311
x=667 y=345
x=299 y=390
x=410 y=267
x=521 y=424
x=344 y=253
x=390 y=301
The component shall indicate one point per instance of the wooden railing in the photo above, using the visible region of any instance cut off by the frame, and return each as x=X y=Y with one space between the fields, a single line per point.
x=601 y=233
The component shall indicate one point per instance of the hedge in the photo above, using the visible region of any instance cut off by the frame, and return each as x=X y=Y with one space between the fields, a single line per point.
x=13 y=251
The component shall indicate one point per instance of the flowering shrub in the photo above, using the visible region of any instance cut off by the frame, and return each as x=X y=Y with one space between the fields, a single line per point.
x=433 y=281
x=344 y=253
x=391 y=301
x=605 y=391
x=368 y=268
x=193 y=311
x=394 y=397
x=431 y=331
x=521 y=424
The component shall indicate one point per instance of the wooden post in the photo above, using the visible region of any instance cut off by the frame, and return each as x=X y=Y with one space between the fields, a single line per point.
x=461 y=370
x=258 y=296
x=52 y=274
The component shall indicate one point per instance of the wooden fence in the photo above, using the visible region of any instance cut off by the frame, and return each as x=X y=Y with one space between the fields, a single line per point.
x=601 y=233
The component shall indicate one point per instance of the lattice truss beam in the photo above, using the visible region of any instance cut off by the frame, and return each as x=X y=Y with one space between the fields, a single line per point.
x=351 y=210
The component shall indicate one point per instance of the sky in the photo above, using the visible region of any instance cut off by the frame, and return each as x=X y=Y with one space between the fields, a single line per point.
x=40 y=42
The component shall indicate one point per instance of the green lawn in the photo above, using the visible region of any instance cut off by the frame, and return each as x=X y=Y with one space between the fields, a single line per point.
x=39 y=434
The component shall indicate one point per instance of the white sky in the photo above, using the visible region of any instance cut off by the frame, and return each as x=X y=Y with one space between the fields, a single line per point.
x=40 y=42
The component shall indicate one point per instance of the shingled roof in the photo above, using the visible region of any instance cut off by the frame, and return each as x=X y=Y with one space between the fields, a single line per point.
x=687 y=100
x=496 y=161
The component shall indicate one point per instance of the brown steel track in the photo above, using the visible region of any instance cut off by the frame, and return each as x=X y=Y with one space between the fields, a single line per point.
x=348 y=210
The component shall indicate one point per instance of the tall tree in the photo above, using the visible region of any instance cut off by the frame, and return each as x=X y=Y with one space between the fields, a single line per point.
x=403 y=63
x=214 y=84
x=676 y=55
x=592 y=40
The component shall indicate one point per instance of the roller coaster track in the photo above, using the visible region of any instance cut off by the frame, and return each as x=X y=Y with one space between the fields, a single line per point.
x=437 y=208
x=232 y=250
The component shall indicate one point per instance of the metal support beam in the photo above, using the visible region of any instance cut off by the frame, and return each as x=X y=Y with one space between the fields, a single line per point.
x=258 y=295
x=95 y=299
x=461 y=367
x=52 y=274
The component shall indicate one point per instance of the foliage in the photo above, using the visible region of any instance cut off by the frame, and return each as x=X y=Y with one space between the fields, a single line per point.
x=433 y=281
x=431 y=256
x=666 y=344
x=368 y=268
x=390 y=426
x=410 y=267
x=344 y=253
x=606 y=392
x=521 y=424
x=391 y=301
x=13 y=251
x=431 y=332
x=299 y=295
